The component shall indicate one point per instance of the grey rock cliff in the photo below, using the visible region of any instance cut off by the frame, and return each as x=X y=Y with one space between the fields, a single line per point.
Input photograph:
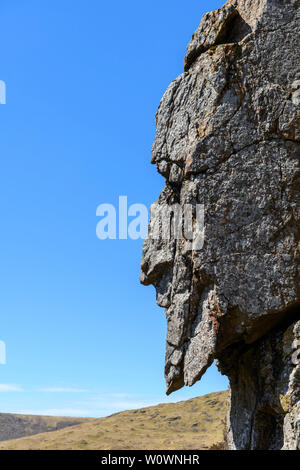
x=228 y=137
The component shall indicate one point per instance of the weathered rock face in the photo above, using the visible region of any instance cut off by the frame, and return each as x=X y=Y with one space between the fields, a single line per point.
x=228 y=137
x=265 y=391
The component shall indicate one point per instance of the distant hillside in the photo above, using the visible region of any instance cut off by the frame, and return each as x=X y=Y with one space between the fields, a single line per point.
x=14 y=426
x=191 y=424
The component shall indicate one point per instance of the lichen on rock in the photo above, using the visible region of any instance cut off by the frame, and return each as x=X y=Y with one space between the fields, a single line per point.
x=228 y=138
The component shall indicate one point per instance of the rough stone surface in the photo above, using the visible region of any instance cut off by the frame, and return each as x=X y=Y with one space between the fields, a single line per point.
x=265 y=391
x=228 y=137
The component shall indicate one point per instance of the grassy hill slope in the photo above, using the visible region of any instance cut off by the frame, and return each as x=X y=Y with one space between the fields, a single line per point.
x=14 y=426
x=193 y=424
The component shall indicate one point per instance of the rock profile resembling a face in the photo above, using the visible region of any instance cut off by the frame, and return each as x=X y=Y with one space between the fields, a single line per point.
x=228 y=140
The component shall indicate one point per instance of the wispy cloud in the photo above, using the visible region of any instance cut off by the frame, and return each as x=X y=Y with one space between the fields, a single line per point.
x=62 y=390
x=121 y=395
x=90 y=405
x=109 y=403
x=10 y=388
x=62 y=412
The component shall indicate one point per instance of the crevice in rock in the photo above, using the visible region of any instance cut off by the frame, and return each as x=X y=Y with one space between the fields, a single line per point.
x=234 y=30
x=268 y=430
x=280 y=320
x=260 y=383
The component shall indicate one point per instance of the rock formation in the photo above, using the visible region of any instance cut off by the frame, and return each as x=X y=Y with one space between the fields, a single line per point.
x=228 y=138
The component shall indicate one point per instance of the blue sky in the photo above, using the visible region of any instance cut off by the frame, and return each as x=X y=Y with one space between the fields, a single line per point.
x=84 y=80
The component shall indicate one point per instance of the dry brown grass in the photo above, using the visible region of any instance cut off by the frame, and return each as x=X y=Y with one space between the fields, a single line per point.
x=191 y=424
